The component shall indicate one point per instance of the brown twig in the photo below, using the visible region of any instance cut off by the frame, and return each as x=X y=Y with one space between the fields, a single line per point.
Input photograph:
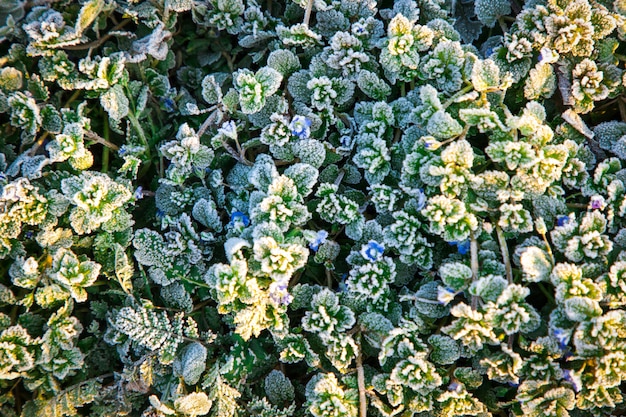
x=98 y=42
x=102 y=141
x=360 y=375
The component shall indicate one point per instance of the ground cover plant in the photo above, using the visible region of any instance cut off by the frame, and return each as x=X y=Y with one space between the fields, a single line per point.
x=312 y=208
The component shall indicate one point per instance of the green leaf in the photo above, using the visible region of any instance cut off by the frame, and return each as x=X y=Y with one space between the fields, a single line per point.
x=88 y=13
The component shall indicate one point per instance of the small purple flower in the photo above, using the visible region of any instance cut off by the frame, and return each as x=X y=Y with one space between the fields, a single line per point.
x=597 y=202
x=562 y=220
x=237 y=219
x=300 y=126
x=320 y=238
x=279 y=293
x=454 y=386
x=139 y=193
x=122 y=150
x=28 y=234
x=373 y=251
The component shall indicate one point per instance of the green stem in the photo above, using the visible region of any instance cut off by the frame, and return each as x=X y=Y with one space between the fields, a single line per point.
x=199 y=284
x=461 y=92
x=105 y=151
x=474 y=265
x=505 y=254
x=142 y=136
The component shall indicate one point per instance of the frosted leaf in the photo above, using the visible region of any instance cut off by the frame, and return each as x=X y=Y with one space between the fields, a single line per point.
x=254 y=89
x=211 y=90
x=206 y=213
x=148 y=247
x=541 y=82
x=535 y=264
x=191 y=362
x=283 y=61
x=485 y=76
x=115 y=102
x=310 y=151
x=194 y=404
x=488 y=11
x=278 y=388
x=455 y=275
x=443 y=126
x=88 y=13
x=304 y=177
x=373 y=86
x=445 y=350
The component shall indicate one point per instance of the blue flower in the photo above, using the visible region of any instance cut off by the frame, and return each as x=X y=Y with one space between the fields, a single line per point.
x=122 y=150
x=454 y=386
x=139 y=193
x=28 y=234
x=562 y=220
x=300 y=126
x=237 y=219
x=160 y=214
x=548 y=56
x=373 y=251
x=463 y=247
x=279 y=293
x=168 y=104
x=320 y=238
x=563 y=338
x=597 y=202
x=573 y=379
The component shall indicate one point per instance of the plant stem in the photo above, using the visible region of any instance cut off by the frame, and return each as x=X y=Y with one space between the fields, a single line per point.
x=98 y=139
x=360 y=375
x=235 y=155
x=461 y=92
x=505 y=254
x=474 y=265
x=142 y=136
x=548 y=248
x=100 y=41
x=307 y=12
x=105 y=151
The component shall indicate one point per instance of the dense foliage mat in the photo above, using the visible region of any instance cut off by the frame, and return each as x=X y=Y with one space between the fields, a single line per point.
x=328 y=208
